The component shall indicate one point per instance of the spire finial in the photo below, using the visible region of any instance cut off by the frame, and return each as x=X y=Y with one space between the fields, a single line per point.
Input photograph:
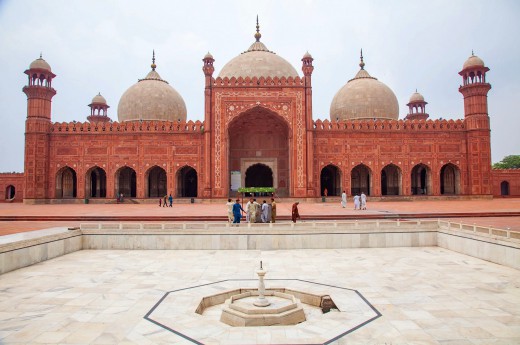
x=415 y=90
x=362 y=64
x=472 y=54
x=40 y=55
x=258 y=34
x=153 y=61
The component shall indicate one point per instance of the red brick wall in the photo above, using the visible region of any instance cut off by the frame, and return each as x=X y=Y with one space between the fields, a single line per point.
x=511 y=176
x=11 y=179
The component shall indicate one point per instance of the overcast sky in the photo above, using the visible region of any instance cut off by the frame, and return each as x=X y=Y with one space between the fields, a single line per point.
x=105 y=46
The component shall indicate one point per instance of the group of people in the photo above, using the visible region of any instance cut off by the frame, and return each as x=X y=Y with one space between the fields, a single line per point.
x=255 y=212
x=164 y=201
x=360 y=201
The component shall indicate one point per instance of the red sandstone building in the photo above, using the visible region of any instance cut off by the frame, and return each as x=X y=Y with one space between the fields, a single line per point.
x=258 y=131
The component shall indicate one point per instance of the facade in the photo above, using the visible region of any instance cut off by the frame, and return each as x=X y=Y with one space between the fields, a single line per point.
x=258 y=131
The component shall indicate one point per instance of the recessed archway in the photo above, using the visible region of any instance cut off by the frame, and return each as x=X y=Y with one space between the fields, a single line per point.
x=391 y=180
x=156 y=182
x=330 y=178
x=260 y=135
x=360 y=180
x=10 y=192
x=96 y=183
x=259 y=175
x=450 y=179
x=187 y=182
x=126 y=182
x=66 y=183
x=504 y=188
x=421 y=180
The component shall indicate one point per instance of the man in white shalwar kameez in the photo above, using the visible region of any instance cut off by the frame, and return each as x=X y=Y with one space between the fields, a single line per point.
x=344 y=199
x=229 y=205
x=363 y=201
x=356 y=202
x=265 y=212
x=248 y=205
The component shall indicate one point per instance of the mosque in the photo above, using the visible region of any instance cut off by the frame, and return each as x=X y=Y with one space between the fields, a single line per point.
x=258 y=131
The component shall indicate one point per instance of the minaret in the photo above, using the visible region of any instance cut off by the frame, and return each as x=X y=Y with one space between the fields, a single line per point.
x=208 y=70
x=39 y=93
x=416 y=107
x=307 y=69
x=98 y=109
x=475 y=90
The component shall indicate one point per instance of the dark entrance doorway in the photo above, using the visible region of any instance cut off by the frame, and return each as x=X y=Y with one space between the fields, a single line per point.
x=156 y=182
x=187 y=183
x=66 y=183
x=391 y=180
x=360 y=180
x=330 y=178
x=126 y=183
x=504 y=188
x=421 y=180
x=450 y=177
x=259 y=175
x=96 y=183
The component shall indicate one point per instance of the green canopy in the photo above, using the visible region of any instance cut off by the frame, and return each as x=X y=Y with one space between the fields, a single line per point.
x=256 y=190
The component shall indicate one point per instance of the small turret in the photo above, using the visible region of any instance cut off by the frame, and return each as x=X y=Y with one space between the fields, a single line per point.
x=417 y=107
x=98 y=109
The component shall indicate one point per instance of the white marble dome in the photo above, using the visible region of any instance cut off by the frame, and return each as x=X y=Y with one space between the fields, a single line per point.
x=364 y=97
x=473 y=61
x=151 y=98
x=258 y=61
x=40 y=63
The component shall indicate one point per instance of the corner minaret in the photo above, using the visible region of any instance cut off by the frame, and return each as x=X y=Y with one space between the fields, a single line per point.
x=475 y=90
x=39 y=93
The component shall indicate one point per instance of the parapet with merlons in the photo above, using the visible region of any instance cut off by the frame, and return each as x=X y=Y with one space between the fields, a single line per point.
x=259 y=82
x=129 y=126
x=389 y=125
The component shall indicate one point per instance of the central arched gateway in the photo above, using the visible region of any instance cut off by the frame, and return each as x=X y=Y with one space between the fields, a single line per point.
x=259 y=149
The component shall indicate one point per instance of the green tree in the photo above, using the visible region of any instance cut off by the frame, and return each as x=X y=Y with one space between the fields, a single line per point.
x=508 y=162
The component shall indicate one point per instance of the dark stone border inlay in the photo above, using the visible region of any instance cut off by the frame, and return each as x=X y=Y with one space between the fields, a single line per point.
x=378 y=314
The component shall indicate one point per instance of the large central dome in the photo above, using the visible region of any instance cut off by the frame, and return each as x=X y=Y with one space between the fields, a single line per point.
x=364 y=97
x=258 y=61
x=151 y=98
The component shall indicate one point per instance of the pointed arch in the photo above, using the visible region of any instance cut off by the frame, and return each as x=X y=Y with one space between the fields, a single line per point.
x=10 y=192
x=259 y=175
x=330 y=178
x=504 y=188
x=125 y=182
x=391 y=180
x=156 y=182
x=187 y=182
x=96 y=183
x=361 y=180
x=450 y=179
x=421 y=180
x=66 y=183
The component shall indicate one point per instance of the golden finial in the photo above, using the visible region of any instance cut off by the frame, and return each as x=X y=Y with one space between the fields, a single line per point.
x=40 y=55
x=258 y=34
x=362 y=64
x=153 y=61
x=472 y=54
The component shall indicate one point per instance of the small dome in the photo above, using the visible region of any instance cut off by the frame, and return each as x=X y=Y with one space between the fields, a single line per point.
x=208 y=56
x=307 y=55
x=258 y=61
x=473 y=61
x=40 y=64
x=416 y=97
x=364 y=97
x=151 y=98
x=98 y=99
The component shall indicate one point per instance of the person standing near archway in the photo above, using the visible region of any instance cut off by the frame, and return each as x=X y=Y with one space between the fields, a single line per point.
x=237 y=212
x=295 y=213
x=344 y=199
x=273 y=210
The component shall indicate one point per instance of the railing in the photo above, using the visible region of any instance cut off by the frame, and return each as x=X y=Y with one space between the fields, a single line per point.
x=130 y=126
x=389 y=125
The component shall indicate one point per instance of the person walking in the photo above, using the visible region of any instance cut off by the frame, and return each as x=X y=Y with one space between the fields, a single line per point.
x=363 y=201
x=229 y=205
x=160 y=202
x=273 y=210
x=237 y=212
x=258 y=211
x=165 y=201
x=344 y=199
x=295 y=213
x=356 y=202
x=170 y=199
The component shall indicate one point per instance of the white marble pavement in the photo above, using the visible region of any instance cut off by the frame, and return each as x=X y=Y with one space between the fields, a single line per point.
x=426 y=295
